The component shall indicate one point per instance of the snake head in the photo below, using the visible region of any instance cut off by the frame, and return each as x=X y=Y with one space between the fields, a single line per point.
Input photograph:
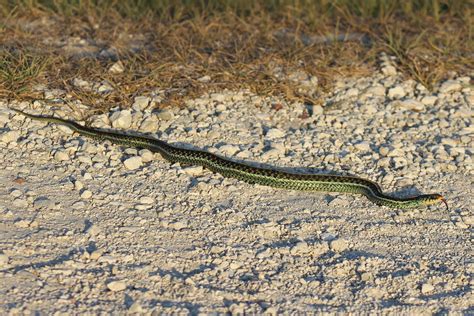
x=429 y=199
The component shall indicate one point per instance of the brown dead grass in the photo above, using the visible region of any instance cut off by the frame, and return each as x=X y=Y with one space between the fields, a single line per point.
x=173 y=50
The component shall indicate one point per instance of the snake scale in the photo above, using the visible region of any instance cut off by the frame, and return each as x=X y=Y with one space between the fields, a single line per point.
x=250 y=174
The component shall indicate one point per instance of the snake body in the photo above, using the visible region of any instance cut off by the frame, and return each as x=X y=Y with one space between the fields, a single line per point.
x=247 y=173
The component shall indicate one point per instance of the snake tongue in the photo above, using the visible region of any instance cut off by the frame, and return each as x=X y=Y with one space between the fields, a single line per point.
x=442 y=199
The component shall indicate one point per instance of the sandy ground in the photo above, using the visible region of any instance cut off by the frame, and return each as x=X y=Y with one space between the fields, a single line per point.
x=82 y=235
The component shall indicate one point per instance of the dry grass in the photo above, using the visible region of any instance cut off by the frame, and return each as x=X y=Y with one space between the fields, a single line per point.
x=171 y=44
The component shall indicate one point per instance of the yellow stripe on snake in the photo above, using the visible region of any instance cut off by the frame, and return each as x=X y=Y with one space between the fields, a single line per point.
x=250 y=174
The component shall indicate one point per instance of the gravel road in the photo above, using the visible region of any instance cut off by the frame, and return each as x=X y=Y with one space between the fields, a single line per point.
x=98 y=228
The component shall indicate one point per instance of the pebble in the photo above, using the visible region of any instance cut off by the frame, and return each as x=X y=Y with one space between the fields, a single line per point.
x=352 y=92
x=94 y=230
x=117 y=68
x=149 y=124
x=412 y=105
x=339 y=245
x=377 y=90
x=121 y=119
x=229 y=150
x=429 y=100
x=43 y=202
x=19 y=202
x=328 y=236
x=136 y=307
x=450 y=86
x=396 y=92
x=86 y=194
x=78 y=185
x=61 y=156
x=389 y=70
x=362 y=146
x=275 y=133
x=79 y=205
x=165 y=115
x=146 y=155
x=116 y=286
x=193 y=170
x=427 y=288
x=147 y=200
x=178 y=225
x=10 y=136
x=141 y=103
x=3 y=260
x=133 y=163
x=300 y=248
x=16 y=193
x=272 y=153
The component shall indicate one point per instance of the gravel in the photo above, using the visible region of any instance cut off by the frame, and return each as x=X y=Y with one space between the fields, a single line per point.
x=95 y=228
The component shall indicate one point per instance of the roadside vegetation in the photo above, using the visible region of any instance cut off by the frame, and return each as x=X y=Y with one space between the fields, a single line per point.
x=186 y=48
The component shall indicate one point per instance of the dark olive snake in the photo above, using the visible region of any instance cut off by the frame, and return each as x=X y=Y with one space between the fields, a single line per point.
x=250 y=174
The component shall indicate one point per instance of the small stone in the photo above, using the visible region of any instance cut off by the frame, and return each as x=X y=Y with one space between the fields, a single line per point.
x=300 y=248
x=146 y=155
x=133 y=163
x=22 y=223
x=3 y=259
x=352 y=92
x=96 y=254
x=61 y=156
x=117 y=68
x=86 y=194
x=396 y=92
x=94 y=230
x=141 y=103
x=362 y=146
x=80 y=83
x=328 y=236
x=10 y=136
x=204 y=78
x=43 y=202
x=78 y=185
x=275 y=133
x=426 y=288
x=165 y=115
x=193 y=170
x=412 y=105
x=339 y=245
x=19 y=202
x=116 y=286
x=272 y=153
x=178 y=225
x=105 y=87
x=340 y=201
x=377 y=90
x=78 y=205
x=389 y=70
x=429 y=100
x=149 y=124
x=16 y=193
x=219 y=97
x=135 y=308
x=318 y=110
x=121 y=119
x=229 y=149
x=147 y=200
x=450 y=86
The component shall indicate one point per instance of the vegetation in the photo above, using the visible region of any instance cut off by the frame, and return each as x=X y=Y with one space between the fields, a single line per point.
x=187 y=47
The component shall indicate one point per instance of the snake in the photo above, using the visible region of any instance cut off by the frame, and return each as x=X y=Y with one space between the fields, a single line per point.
x=244 y=171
